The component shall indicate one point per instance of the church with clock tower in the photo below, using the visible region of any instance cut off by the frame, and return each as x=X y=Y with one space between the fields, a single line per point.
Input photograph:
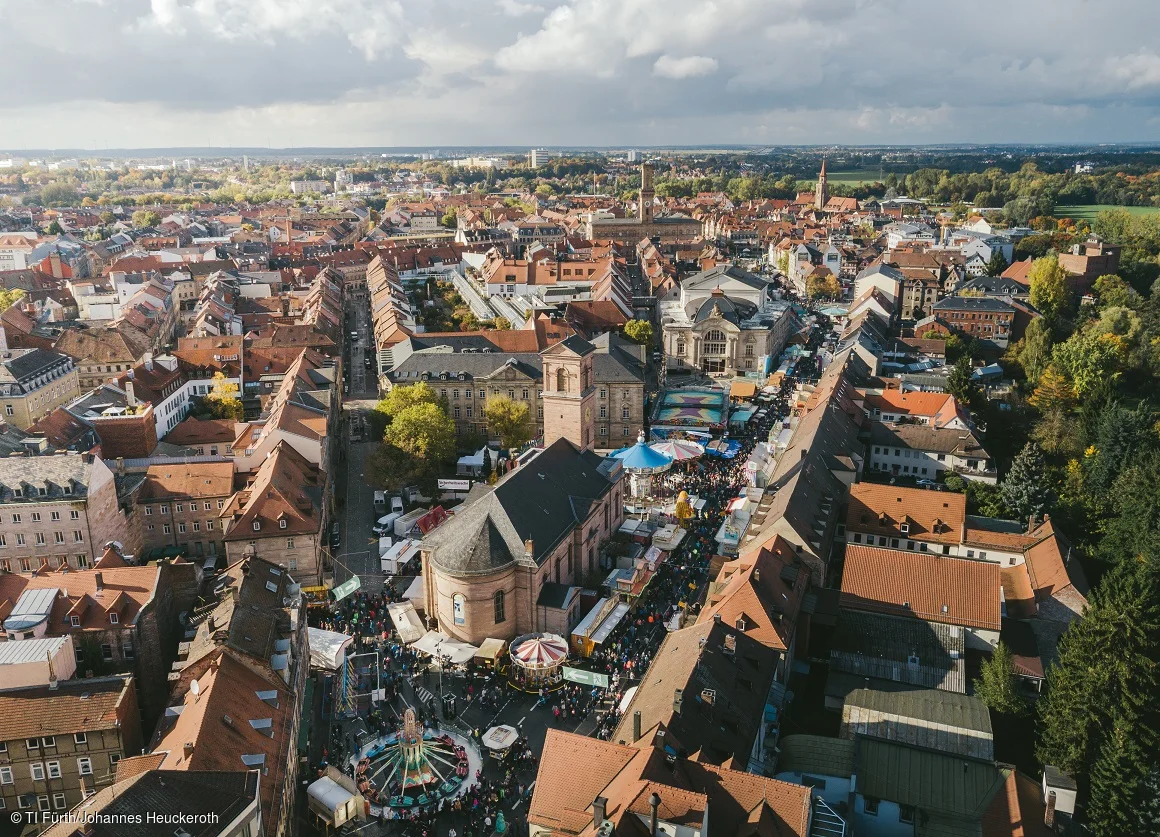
x=647 y=223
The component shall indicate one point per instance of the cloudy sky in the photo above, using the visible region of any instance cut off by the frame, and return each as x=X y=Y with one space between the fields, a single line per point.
x=146 y=73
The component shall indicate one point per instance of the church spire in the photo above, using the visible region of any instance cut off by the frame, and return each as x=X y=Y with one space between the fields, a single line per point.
x=822 y=193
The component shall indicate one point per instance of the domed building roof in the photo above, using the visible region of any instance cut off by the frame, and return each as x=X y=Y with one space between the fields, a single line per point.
x=718 y=304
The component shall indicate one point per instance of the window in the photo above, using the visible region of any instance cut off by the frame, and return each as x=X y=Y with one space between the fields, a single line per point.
x=74 y=515
x=49 y=741
x=167 y=529
x=282 y=524
x=625 y=431
x=208 y=506
x=5 y=775
x=75 y=621
x=906 y=813
x=500 y=615
x=42 y=802
x=58 y=537
x=870 y=806
x=603 y=393
x=714 y=343
x=114 y=618
x=58 y=801
x=107 y=652
x=85 y=766
x=78 y=536
x=604 y=412
x=857 y=537
x=459 y=609
x=525 y=396
x=257 y=526
x=128 y=651
x=8 y=409
x=221 y=504
x=179 y=508
x=209 y=524
x=20 y=540
x=15 y=518
x=483 y=393
x=603 y=431
x=37 y=771
x=32 y=743
x=36 y=517
x=164 y=509
x=196 y=526
x=624 y=412
x=455 y=411
x=53 y=769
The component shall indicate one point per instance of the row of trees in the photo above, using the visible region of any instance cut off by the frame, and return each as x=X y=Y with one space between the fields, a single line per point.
x=1091 y=458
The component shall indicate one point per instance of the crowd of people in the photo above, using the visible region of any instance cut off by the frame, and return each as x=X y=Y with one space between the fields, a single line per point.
x=671 y=597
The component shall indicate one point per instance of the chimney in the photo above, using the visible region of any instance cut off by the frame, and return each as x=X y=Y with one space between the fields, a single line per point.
x=188 y=749
x=529 y=549
x=636 y=726
x=1049 y=810
x=130 y=396
x=149 y=361
x=100 y=579
x=654 y=802
x=717 y=617
x=212 y=624
x=678 y=700
x=598 y=806
x=52 y=682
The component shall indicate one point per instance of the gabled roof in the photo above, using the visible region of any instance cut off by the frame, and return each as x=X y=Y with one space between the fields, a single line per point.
x=932 y=516
x=286 y=487
x=934 y=588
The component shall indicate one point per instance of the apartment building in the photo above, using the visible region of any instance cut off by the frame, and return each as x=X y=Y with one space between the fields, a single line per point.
x=33 y=383
x=59 y=511
x=61 y=741
x=101 y=354
x=180 y=506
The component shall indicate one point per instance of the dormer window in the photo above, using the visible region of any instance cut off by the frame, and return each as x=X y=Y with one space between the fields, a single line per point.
x=75 y=621
x=42 y=491
x=282 y=523
x=114 y=618
x=257 y=526
x=904 y=528
x=18 y=492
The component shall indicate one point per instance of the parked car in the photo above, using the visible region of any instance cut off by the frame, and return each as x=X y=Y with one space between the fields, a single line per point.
x=335 y=537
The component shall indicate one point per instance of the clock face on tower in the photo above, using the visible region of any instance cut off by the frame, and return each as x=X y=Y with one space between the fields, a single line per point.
x=648 y=203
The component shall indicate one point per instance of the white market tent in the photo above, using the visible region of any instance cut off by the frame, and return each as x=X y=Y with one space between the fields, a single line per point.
x=437 y=644
x=327 y=648
x=331 y=801
x=406 y=620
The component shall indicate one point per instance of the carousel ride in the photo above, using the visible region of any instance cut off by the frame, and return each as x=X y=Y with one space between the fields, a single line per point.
x=538 y=661
x=641 y=463
x=415 y=766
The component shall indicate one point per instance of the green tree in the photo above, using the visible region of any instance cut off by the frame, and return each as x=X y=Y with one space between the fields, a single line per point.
x=400 y=398
x=8 y=297
x=501 y=323
x=391 y=468
x=509 y=421
x=639 y=331
x=1116 y=779
x=1049 y=291
x=823 y=287
x=997 y=264
x=1033 y=352
x=1115 y=292
x=1106 y=677
x=1088 y=358
x=997 y=686
x=449 y=218
x=1058 y=433
x=1025 y=489
x=424 y=431
x=960 y=384
x=59 y=194
x=223 y=401
x=55 y=228
x=146 y=218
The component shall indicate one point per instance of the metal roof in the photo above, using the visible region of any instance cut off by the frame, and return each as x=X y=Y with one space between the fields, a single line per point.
x=32 y=608
x=30 y=650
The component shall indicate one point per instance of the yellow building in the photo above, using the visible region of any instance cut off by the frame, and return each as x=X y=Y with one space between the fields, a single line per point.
x=33 y=383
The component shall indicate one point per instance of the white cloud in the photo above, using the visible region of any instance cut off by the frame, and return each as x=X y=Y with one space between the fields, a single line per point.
x=690 y=66
x=514 y=8
x=1140 y=69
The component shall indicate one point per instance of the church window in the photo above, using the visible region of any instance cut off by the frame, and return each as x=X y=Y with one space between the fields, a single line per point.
x=715 y=342
x=498 y=601
x=561 y=380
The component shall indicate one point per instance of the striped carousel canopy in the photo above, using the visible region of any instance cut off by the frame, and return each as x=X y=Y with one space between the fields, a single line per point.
x=539 y=650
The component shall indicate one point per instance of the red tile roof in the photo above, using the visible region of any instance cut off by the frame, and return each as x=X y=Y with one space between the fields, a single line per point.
x=935 y=588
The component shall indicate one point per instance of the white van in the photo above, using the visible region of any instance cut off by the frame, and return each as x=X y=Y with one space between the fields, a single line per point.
x=380 y=502
x=385 y=525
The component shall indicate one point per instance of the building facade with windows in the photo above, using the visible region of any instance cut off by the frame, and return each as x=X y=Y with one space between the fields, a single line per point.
x=180 y=505
x=33 y=383
x=60 y=511
x=60 y=742
x=724 y=321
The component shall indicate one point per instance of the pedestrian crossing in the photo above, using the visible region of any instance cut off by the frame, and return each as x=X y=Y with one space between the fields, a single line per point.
x=424 y=695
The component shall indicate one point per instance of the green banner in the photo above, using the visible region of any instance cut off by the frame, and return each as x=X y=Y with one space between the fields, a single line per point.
x=346 y=588
x=587 y=678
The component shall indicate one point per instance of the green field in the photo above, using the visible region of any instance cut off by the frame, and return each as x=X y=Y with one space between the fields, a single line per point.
x=854 y=176
x=1088 y=211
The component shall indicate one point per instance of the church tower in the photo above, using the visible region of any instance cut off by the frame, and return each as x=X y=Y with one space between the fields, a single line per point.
x=647 y=193
x=569 y=392
x=822 y=193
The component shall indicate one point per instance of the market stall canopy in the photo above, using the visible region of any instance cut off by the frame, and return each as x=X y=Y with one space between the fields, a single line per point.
x=500 y=738
x=415 y=591
x=406 y=620
x=678 y=450
x=327 y=648
x=742 y=389
x=490 y=649
x=440 y=645
x=331 y=801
